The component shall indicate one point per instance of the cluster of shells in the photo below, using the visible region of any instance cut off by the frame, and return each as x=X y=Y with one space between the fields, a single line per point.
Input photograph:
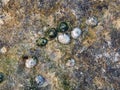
x=65 y=38
x=62 y=37
x=61 y=34
x=52 y=33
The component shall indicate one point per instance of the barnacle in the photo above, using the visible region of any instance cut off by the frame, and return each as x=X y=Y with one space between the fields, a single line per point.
x=30 y=62
x=41 y=41
x=76 y=32
x=64 y=38
x=63 y=27
x=51 y=33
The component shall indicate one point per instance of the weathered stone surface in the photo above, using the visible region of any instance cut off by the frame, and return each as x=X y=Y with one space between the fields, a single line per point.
x=96 y=52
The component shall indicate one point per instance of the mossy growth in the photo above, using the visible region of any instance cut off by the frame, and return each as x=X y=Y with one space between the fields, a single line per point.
x=67 y=57
x=32 y=86
x=90 y=37
x=7 y=64
x=83 y=24
x=64 y=82
x=65 y=85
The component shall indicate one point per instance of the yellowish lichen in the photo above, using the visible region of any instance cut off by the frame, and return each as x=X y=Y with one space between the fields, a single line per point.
x=90 y=38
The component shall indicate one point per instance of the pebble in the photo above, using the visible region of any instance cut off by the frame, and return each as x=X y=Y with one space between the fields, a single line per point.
x=64 y=38
x=40 y=80
x=76 y=32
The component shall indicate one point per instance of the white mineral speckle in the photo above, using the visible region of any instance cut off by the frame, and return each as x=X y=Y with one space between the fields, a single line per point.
x=76 y=32
x=1 y=22
x=117 y=57
x=3 y=50
x=64 y=38
x=92 y=21
x=30 y=63
x=70 y=63
x=5 y=2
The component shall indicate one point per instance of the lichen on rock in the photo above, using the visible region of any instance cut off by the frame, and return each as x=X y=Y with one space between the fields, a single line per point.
x=76 y=44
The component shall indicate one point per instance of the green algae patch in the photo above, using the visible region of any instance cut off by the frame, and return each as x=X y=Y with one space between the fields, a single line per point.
x=65 y=82
x=7 y=65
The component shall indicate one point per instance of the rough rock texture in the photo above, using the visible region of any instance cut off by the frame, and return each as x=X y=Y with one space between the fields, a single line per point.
x=96 y=52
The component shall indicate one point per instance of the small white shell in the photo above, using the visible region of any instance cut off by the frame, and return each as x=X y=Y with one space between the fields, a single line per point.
x=70 y=63
x=92 y=21
x=3 y=50
x=64 y=38
x=76 y=32
x=30 y=63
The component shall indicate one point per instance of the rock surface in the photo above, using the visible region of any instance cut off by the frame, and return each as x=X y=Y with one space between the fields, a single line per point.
x=96 y=52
